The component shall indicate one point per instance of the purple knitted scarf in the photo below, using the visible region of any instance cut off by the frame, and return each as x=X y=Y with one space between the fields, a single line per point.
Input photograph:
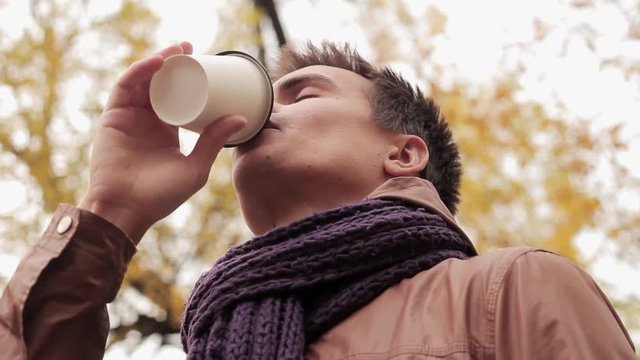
x=268 y=298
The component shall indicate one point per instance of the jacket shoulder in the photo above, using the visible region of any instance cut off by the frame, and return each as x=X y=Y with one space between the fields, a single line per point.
x=485 y=274
x=537 y=295
x=558 y=308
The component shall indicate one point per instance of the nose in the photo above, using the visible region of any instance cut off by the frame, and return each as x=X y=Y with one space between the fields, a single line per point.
x=276 y=108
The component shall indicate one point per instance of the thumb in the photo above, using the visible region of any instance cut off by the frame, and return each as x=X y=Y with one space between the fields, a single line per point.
x=213 y=139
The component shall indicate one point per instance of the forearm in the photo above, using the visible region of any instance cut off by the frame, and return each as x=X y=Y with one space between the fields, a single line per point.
x=129 y=221
x=54 y=305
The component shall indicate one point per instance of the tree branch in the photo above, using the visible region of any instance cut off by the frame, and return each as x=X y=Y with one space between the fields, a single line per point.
x=269 y=7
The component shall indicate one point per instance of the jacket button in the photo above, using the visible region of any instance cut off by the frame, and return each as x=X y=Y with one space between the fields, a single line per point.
x=64 y=224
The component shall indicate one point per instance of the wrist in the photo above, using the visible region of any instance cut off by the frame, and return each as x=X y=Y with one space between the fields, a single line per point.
x=127 y=220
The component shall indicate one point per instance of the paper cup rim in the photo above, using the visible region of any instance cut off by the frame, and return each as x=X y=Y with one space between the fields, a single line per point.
x=270 y=93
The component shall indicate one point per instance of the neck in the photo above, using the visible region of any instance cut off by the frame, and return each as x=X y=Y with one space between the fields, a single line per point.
x=267 y=210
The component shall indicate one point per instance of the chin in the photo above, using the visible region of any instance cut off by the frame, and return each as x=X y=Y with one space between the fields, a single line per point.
x=254 y=170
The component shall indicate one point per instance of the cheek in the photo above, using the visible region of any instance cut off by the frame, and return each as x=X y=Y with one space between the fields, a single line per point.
x=332 y=128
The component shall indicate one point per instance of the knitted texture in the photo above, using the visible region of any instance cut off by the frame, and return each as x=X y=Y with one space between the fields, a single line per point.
x=268 y=298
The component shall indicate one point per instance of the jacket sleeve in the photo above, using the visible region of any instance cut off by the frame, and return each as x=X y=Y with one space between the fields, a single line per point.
x=548 y=308
x=54 y=306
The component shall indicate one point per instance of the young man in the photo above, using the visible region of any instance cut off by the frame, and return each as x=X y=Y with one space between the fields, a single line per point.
x=350 y=189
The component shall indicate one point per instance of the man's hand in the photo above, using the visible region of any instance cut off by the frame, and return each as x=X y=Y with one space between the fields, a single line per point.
x=138 y=174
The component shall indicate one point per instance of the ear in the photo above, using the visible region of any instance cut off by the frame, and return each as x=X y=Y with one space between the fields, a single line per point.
x=407 y=156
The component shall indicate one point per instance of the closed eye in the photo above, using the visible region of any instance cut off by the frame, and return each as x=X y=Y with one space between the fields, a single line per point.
x=306 y=96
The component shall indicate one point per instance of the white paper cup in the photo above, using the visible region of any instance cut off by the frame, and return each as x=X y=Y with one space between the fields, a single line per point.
x=192 y=91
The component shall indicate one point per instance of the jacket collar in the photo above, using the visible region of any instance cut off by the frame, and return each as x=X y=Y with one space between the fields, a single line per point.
x=418 y=191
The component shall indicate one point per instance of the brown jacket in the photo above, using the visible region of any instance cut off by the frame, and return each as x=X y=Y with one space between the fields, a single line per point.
x=507 y=304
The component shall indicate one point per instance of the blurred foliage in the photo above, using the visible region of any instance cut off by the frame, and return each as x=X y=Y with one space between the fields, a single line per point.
x=529 y=175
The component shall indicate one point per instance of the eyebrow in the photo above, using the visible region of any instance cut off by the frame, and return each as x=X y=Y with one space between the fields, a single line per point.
x=305 y=79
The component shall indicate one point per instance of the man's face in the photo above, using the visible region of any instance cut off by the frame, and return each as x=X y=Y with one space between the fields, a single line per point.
x=321 y=138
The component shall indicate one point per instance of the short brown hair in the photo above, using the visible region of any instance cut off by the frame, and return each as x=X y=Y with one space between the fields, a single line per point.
x=396 y=106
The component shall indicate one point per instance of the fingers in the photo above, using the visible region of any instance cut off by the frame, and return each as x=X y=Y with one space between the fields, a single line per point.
x=183 y=47
x=213 y=139
x=139 y=71
x=128 y=90
x=187 y=48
